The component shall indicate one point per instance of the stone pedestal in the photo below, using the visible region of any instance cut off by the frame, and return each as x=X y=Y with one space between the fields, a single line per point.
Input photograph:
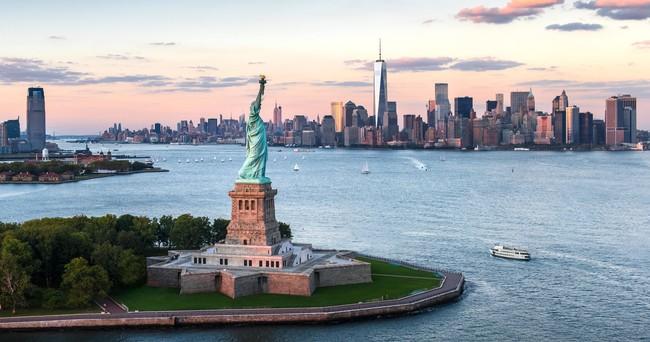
x=253 y=216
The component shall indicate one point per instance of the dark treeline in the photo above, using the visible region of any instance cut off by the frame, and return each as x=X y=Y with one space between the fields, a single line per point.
x=58 y=166
x=66 y=262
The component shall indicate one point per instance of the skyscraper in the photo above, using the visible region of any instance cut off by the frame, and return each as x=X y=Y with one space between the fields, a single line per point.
x=620 y=120
x=277 y=116
x=380 y=88
x=519 y=102
x=13 y=129
x=563 y=101
x=431 y=113
x=337 y=114
x=4 y=140
x=390 y=127
x=530 y=101
x=572 y=121
x=327 y=128
x=586 y=123
x=491 y=106
x=347 y=113
x=499 y=109
x=463 y=106
x=443 y=106
x=36 y=118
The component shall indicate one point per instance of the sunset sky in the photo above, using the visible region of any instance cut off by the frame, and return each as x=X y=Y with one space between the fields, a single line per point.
x=140 y=62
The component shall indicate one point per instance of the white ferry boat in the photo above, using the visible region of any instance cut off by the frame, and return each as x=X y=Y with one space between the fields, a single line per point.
x=510 y=253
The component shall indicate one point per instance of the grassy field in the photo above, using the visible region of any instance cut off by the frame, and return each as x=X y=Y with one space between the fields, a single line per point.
x=41 y=312
x=388 y=282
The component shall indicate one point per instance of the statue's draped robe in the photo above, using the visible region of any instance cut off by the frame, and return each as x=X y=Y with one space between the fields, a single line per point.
x=254 y=167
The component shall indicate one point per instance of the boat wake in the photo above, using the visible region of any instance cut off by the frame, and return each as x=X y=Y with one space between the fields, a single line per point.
x=418 y=164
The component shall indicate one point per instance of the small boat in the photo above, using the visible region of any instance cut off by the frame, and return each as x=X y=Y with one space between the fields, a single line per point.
x=196 y=160
x=201 y=159
x=222 y=160
x=179 y=161
x=522 y=149
x=164 y=159
x=365 y=169
x=442 y=158
x=187 y=161
x=285 y=158
x=229 y=159
x=510 y=253
x=296 y=168
x=215 y=158
x=275 y=160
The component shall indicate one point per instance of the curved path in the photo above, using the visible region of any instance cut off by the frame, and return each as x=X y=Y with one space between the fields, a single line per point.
x=451 y=288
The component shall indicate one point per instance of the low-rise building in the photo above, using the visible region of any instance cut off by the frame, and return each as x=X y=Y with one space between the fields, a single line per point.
x=23 y=177
x=49 y=177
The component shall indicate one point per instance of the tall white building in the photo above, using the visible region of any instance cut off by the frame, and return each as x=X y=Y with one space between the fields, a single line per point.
x=380 y=90
x=337 y=114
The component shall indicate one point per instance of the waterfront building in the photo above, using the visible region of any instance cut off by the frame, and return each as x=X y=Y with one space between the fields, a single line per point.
x=337 y=113
x=213 y=127
x=328 y=131
x=499 y=108
x=390 y=128
x=380 y=90
x=599 y=132
x=351 y=136
x=418 y=130
x=559 y=126
x=519 y=102
x=443 y=106
x=620 y=120
x=544 y=130
x=36 y=118
x=13 y=128
x=463 y=107
x=299 y=122
x=308 y=138
x=586 y=128
x=572 y=121
x=4 y=139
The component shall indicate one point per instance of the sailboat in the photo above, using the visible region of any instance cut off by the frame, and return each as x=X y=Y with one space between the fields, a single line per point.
x=296 y=168
x=222 y=160
x=229 y=159
x=365 y=170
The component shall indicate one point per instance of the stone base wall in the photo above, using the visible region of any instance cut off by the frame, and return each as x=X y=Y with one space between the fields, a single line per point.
x=163 y=277
x=342 y=275
x=199 y=282
x=296 y=284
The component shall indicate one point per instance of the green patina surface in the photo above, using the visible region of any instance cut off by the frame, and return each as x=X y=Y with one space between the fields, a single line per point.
x=253 y=171
x=388 y=282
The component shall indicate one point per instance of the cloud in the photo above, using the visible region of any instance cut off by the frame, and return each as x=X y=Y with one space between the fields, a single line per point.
x=645 y=44
x=207 y=83
x=14 y=70
x=618 y=9
x=352 y=84
x=203 y=68
x=255 y=63
x=484 y=64
x=56 y=37
x=515 y=9
x=162 y=43
x=421 y=64
x=599 y=89
x=575 y=27
x=429 y=21
x=119 y=57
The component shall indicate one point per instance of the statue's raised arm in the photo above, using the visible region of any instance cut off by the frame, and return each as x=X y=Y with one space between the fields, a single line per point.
x=254 y=168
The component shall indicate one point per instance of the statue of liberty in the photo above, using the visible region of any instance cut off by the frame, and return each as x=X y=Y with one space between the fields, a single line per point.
x=254 y=168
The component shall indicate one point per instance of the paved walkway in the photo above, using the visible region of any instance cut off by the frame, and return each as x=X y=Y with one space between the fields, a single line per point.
x=109 y=305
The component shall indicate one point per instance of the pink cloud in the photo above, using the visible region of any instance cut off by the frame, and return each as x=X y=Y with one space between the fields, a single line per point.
x=502 y=15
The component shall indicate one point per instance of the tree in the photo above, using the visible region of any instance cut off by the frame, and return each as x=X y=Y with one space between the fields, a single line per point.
x=15 y=269
x=285 y=231
x=131 y=268
x=163 y=228
x=189 y=232
x=82 y=282
x=219 y=230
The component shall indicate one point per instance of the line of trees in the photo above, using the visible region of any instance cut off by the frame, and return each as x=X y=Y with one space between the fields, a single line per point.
x=57 y=263
x=40 y=167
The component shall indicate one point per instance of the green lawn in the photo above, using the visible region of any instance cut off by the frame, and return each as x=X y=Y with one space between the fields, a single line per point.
x=388 y=282
x=43 y=312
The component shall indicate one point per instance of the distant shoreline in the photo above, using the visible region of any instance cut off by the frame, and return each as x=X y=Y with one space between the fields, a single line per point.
x=88 y=177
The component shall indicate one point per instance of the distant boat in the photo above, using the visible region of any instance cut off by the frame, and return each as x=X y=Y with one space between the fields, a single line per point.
x=229 y=159
x=215 y=158
x=275 y=159
x=285 y=158
x=522 y=149
x=365 y=169
x=196 y=160
x=296 y=168
x=187 y=161
x=222 y=160
x=303 y=157
x=442 y=158
x=179 y=161
x=164 y=159
x=201 y=159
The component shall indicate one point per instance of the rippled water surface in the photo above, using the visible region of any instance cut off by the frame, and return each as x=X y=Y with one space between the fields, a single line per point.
x=585 y=217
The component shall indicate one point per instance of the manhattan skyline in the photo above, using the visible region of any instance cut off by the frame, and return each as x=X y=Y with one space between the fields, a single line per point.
x=140 y=63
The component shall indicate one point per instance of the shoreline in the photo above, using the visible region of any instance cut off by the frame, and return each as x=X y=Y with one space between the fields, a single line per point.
x=450 y=289
x=89 y=177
